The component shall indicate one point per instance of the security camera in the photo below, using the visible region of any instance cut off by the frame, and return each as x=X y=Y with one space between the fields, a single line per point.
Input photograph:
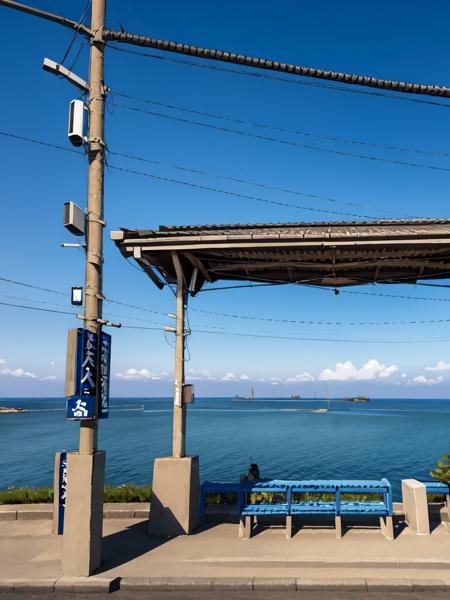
x=76 y=129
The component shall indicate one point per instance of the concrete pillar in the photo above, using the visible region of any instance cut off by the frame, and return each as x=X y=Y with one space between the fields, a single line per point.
x=83 y=522
x=174 y=504
x=415 y=506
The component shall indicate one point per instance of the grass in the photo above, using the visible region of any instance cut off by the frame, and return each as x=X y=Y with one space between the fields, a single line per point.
x=127 y=492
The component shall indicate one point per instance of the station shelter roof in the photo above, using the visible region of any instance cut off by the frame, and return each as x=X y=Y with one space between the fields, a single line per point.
x=322 y=253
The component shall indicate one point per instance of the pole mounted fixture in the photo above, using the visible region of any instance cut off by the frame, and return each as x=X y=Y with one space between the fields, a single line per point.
x=53 y=67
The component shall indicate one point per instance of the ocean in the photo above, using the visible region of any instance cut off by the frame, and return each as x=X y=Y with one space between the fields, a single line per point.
x=396 y=439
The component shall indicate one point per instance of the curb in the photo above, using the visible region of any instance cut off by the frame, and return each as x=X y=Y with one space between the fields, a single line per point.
x=38 y=515
x=97 y=585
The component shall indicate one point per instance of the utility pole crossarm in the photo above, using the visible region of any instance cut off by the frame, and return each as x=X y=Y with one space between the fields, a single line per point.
x=37 y=12
x=273 y=65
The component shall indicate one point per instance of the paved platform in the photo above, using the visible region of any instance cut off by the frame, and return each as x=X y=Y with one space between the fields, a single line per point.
x=214 y=558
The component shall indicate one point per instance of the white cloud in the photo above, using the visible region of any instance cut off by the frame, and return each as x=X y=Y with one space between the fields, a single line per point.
x=138 y=375
x=17 y=373
x=200 y=375
x=2 y=361
x=347 y=371
x=422 y=380
x=244 y=377
x=52 y=363
x=403 y=375
x=441 y=366
x=388 y=371
x=229 y=377
x=48 y=378
x=299 y=378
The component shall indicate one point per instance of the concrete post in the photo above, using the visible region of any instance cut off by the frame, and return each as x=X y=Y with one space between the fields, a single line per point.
x=415 y=506
x=174 y=504
x=81 y=552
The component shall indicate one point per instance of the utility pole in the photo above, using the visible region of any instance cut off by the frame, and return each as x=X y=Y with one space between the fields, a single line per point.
x=83 y=527
x=94 y=247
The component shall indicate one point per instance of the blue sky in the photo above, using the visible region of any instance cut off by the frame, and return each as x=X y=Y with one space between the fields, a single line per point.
x=405 y=40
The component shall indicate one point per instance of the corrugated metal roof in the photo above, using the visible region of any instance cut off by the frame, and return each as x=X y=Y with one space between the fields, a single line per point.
x=331 y=253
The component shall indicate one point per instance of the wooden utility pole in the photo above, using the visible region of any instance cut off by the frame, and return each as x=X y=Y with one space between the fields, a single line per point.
x=179 y=407
x=94 y=241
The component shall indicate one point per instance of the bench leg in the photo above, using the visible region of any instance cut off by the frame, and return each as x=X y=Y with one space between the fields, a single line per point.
x=338 y=525
x=241 y=530
x=288 y=527
x=387 y=527
x=248 y=527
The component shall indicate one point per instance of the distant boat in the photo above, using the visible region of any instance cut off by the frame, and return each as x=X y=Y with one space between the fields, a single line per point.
x=294 y=396
x=250 y=396
x=11 y=409
x=357 y=399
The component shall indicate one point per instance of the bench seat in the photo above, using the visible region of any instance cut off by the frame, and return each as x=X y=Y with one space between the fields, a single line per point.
x=312 y=508
x=265 y=509
x=369 y=508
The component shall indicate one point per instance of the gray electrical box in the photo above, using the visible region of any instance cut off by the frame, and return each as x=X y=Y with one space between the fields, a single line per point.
x=188 y=394
x=74 y=218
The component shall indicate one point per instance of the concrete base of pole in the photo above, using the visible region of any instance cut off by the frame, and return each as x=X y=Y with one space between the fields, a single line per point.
x=174 y=504
x=83 y=522
x=415 y=505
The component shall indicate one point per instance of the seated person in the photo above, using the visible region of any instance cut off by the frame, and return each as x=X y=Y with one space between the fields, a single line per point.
x=253 y=474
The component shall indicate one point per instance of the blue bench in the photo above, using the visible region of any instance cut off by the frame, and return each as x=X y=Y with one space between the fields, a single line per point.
x=249 y=510
x=287 y=507
x=436 y=487
x=212 y=487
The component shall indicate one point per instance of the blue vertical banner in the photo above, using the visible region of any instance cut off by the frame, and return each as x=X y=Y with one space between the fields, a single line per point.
x=105 y=367
x=82 y=404
x=91 y=369
x=62 y=491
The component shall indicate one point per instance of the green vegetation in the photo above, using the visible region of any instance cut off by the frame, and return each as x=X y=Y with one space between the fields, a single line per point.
x=127 y=492
x=440 y=473
x=442 y=470
x=272 y=498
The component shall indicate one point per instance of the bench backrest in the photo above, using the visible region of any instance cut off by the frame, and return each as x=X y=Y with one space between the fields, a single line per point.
x=288 y=487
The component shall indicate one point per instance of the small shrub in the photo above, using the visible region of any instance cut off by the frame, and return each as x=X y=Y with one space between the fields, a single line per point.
x=442 y=470
x=26 y=495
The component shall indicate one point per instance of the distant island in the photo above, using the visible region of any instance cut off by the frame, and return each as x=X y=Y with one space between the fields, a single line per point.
x=11 y=409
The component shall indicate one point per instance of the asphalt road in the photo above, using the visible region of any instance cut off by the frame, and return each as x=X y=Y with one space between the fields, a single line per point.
x=299 y=595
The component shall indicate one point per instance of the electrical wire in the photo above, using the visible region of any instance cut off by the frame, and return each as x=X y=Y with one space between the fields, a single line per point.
x=253 y=335
x=259 y=75
x=75 y=34
x=281 y=129
x=186 y=183
x=236 y=194
x=230 y=315
x=267 y=138
x=249 y=182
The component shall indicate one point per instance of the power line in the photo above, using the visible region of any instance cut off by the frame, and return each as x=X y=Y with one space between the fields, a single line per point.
x=247 y=182
x=309 y=339
x=40 y=143
x=186 y=183
x=240 y=316
x=260 y=75
x=36 y=287
x=234 y=194
x=281 y=129
x=267 y=138
x=308 y=322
